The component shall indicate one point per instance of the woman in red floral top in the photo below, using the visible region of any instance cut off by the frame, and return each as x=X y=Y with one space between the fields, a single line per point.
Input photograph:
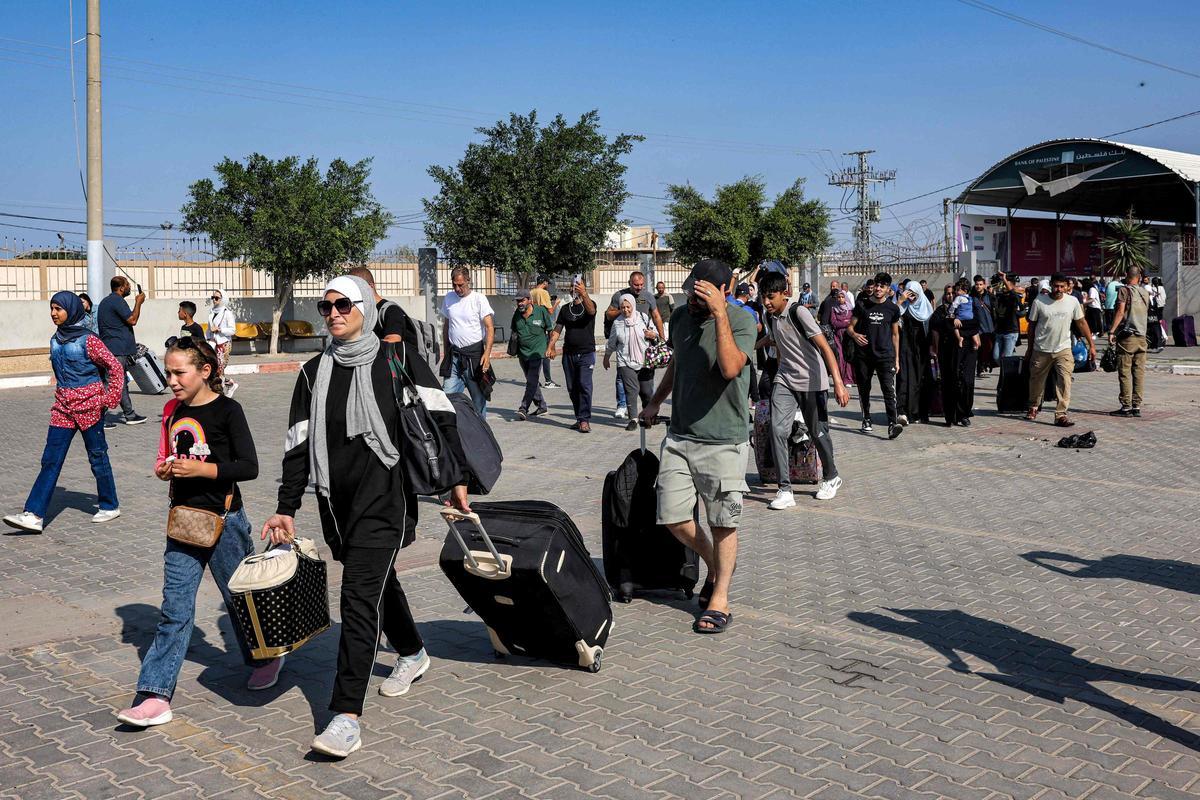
x=89 y=379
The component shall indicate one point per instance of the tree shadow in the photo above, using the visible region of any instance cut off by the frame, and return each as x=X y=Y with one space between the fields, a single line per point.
x=1167 y=573
x=1042 y=667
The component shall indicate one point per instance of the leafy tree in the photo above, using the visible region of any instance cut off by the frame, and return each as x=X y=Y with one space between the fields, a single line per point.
x=739 y=227
x=287 y=219
x=530 y=198
x=1125 y=245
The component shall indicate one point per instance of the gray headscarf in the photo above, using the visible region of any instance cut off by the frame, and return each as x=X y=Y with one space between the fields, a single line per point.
x=362 y=410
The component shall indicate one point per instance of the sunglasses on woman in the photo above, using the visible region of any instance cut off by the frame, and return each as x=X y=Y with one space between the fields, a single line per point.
x=342 y=304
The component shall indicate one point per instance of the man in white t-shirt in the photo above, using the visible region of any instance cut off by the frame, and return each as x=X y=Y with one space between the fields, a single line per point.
x=1051 y=317
x=468 y=331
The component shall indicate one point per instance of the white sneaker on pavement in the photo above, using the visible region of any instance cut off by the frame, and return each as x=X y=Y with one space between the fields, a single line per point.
x=407 y=670
x=24 y=522
x=783 y=499
x=621 y=413
x=104 y=515
x=340 y=737
x=827 y=490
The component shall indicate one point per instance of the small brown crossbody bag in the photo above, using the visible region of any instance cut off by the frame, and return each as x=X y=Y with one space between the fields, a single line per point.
x=195 y=526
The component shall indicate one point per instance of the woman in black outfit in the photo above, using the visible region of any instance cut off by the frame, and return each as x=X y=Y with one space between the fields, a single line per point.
x=342 y=437
x=915 y=381
x=956 y=364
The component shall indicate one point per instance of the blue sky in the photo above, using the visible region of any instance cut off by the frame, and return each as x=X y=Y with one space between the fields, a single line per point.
x=939 y=89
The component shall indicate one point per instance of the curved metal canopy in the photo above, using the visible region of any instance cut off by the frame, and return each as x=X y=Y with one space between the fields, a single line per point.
x=1093 y=177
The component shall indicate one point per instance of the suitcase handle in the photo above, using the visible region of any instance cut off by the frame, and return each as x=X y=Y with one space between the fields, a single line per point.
x=642 y=428
x=503 y=565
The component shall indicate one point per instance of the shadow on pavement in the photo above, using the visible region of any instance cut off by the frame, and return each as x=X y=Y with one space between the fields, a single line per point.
x=1042 y=667
x=62 y=499
x=1167 y=573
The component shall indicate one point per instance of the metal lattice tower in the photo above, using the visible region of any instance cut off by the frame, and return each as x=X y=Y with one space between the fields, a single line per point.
x=860 y=179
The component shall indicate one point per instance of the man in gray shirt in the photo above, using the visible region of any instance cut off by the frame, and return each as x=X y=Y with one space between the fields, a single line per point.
x=1128 y=335
x=801 y=382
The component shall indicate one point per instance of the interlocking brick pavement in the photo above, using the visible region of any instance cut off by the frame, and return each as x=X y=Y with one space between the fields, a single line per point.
x=978 y=614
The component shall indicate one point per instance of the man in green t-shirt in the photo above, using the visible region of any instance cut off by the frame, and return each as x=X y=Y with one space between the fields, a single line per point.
x=531 y=326
x=704 y=453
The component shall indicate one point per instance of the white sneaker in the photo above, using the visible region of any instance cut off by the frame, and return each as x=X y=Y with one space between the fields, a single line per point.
x=233 y=387
x=340 y=738
x=902 y=419
x=24 y=522
x=783 y=499
x=622 y=412
x=404 y=674
x=104 y=515
x=827 y=490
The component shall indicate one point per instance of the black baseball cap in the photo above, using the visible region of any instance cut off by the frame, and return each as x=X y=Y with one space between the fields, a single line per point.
x=718 y=273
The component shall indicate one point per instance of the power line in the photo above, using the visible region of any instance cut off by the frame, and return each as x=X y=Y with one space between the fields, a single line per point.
x=1152 y=124
x=999 y=12
x=78 y=222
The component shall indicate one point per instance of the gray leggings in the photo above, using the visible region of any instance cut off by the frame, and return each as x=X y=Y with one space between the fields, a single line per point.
x=638 y=383
x=812 y=405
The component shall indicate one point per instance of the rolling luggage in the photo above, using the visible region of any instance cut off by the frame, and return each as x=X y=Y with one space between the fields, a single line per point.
x=805 y=465
x=1012 y=390
x=148 y=373
x=523 y=568
x=1183 y=330
x=640 y=555
x=279 y=599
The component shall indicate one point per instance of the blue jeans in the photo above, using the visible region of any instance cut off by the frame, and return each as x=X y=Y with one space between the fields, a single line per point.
x=58 y=442
x=183 y=567
x=621 y=399
x=1006 y=344
x=533 y=390
x=577 y=369
x=546 y=369
x=460 y=380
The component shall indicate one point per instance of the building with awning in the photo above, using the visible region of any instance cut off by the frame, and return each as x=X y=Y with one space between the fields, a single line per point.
x=1096 y=178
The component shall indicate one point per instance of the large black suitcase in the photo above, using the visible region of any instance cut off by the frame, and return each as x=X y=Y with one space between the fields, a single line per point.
x=1012 y=390
x=523 y=568
x=640 y=555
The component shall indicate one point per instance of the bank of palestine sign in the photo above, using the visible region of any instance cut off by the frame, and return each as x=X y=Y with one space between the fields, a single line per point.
x=1058 y=168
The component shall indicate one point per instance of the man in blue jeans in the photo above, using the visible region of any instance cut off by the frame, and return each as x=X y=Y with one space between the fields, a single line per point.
x=468 y=331
x=1005 y=317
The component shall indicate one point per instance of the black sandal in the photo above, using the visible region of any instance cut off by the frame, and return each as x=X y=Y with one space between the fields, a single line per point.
x=718 y=622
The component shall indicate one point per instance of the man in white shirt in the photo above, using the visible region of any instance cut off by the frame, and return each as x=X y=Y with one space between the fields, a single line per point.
x=221 y=326
x=468 y=330
x=1051 y=317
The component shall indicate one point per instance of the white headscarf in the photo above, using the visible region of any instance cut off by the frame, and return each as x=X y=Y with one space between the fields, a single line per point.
x=920 y=309
x=635 y=332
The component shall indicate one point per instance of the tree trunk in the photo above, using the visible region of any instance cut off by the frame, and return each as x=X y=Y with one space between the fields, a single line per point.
x=281 y=298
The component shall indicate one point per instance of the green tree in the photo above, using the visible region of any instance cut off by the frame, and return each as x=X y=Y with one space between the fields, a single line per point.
x=740 y=228
x=1125 y=245
x=529 y=198
x=287 y=219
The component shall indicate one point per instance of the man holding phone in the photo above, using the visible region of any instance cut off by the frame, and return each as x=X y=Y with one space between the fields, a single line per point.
x=116 y=322
x=576 y=323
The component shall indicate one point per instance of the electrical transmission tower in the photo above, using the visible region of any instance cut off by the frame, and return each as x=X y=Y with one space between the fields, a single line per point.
x=860 y=179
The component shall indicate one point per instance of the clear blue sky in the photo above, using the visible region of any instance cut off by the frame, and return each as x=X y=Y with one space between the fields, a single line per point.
x=939 y=89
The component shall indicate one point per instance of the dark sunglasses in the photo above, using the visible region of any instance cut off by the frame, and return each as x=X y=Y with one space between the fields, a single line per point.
x=342 y=304
x=182 y=343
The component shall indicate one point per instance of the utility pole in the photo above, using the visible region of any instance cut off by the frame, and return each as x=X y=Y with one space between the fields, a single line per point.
x=946 y=230
x=95 y=174
x=860 y=179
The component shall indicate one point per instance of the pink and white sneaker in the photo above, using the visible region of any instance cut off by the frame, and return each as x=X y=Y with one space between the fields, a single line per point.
x=151 y=711
x=266 y=676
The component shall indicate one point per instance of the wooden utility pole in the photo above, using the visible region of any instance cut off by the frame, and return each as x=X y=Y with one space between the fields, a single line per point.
x=96 y=282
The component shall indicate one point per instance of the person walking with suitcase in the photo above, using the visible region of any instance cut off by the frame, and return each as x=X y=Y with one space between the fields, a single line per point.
x=222 y=324
x=88 y=379
x=875 y=328
x=116 y=323
x=205 y=450
x=801 y=383
x=1128 y=335
x=342 y=437
x=1051 y=317
x=704 y=453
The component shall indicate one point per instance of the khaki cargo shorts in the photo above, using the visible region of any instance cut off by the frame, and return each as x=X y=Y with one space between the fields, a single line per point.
x=714 y=473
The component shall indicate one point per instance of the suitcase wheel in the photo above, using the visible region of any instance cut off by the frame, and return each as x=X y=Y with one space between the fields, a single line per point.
x=689 y=593
x=595 y=665
x=625 y=598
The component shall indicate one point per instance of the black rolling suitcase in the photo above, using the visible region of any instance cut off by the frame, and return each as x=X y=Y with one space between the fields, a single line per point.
x=1012 y=390
x=523 y=568
x=640 y=555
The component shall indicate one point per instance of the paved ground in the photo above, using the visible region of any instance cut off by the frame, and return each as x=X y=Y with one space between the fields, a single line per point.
x=978 y=615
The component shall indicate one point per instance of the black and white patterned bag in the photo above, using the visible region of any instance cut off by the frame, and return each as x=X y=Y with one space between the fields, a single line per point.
x=280 y=598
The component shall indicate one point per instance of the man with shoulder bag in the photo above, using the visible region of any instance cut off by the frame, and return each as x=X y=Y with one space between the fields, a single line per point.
x=1127 y=335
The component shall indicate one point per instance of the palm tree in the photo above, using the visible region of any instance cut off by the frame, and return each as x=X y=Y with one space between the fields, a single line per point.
x=1125 y=246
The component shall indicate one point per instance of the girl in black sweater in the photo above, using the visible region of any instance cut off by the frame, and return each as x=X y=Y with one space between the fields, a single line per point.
x=342 y=437
x=205 y=449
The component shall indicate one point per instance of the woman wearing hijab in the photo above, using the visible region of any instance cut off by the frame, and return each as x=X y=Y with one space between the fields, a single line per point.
x=836 y=311
x=88 y=379
x=630 y=331
x=222 y=324
x=342 y=438
x=955 y=359
x=915 y=380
